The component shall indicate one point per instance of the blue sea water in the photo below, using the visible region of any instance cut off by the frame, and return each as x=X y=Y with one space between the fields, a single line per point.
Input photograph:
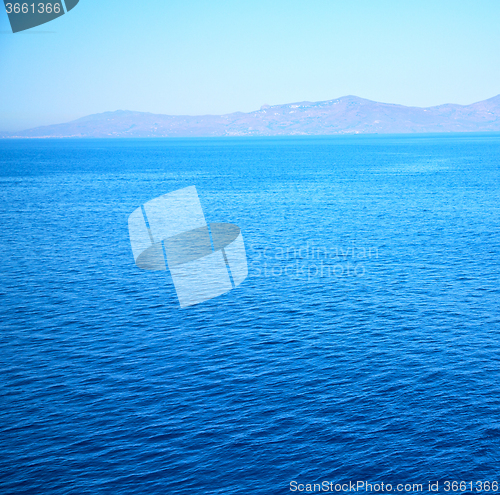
x=364 y=344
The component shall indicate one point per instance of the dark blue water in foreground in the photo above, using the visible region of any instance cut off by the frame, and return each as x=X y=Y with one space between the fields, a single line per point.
x=364 y=345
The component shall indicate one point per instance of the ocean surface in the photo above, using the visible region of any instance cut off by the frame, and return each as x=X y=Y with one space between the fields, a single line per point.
x=363 y=346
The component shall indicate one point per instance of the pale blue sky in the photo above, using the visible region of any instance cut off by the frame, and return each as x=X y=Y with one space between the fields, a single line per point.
x=200 y=57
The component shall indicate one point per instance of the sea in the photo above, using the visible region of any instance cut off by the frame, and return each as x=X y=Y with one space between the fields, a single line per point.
x=361 y=352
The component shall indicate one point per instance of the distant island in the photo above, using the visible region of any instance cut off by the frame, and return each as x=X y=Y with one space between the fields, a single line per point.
x=346 y=115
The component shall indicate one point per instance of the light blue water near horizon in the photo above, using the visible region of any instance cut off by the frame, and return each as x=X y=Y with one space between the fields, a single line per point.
x=364 y=344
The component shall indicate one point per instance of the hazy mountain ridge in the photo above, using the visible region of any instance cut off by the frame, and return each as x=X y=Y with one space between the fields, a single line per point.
x=346 y=115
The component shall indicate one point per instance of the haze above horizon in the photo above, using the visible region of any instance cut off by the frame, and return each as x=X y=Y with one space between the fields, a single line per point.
x=194 y=58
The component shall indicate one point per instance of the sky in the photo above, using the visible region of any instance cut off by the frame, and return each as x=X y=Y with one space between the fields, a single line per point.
x=193 y=57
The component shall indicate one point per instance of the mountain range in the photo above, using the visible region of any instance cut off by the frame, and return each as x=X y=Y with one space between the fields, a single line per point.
x=346 y=115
